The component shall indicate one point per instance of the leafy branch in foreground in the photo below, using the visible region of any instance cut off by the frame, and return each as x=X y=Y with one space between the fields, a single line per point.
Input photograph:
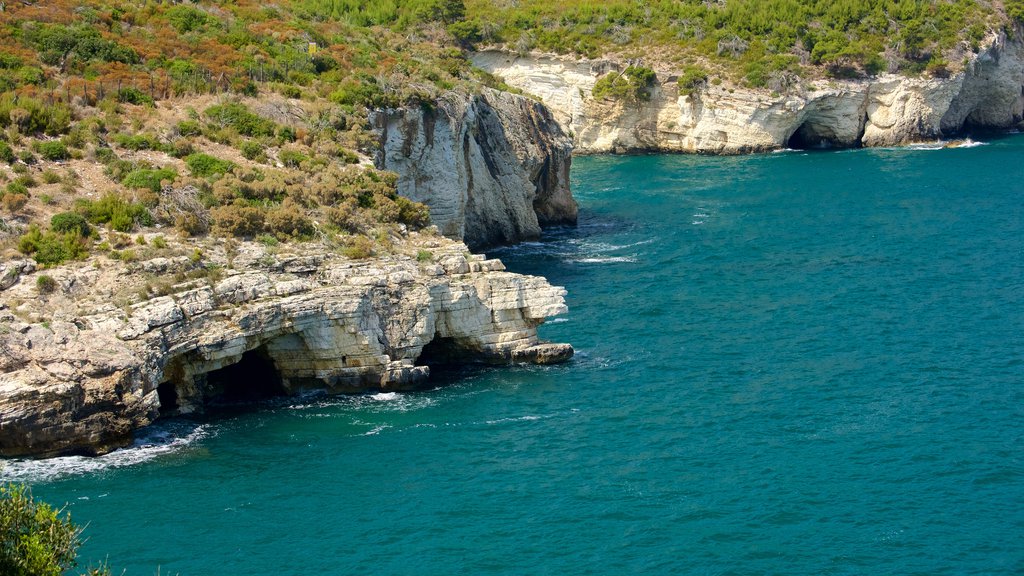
x=37 y=539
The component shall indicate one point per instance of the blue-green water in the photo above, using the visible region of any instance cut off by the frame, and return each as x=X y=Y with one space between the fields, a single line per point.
x=787 y=364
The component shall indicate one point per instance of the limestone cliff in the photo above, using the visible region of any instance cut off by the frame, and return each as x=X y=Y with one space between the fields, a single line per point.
x=80 y=371
x=493 y=168
x=887 y=110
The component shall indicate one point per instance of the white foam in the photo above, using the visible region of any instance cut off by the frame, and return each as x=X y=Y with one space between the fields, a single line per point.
x=607 y=260
x=376 y=430
x=153 y=443
x=557 y=321
x=968 y=143
x=516 y=419
x=385 y=396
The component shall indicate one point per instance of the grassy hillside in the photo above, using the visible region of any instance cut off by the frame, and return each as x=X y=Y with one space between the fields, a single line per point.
x=760 y=42
x=249 y=119
x=220 y=118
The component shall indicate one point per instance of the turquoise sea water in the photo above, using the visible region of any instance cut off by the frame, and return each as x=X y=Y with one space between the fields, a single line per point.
x=787 y=364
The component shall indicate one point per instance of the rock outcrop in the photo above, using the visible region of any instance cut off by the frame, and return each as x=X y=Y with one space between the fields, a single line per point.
x=887 y=110
x=492 y=168
x=78 y=373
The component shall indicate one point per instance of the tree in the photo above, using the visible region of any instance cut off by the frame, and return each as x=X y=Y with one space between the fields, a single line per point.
x=35 y=538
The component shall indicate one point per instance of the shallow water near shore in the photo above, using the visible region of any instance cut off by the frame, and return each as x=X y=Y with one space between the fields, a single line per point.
x=793 y=363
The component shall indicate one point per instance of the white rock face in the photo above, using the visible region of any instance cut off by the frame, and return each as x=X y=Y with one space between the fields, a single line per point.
x=885 y=111
x=492 y=169
x=85 y=380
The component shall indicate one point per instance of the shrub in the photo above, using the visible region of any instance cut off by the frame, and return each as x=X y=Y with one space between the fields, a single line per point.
x=413 y=214
x=70 y=222
x=189 y=128
x=292 y=158
x=288 y=221
x=137 y=142
x=237 y=220
x=50 y=177
x=46 y=284
x=51 y=248
x=148 y=178
x=359 y=248
x=14 y=202
x=6 y=153
x=123 y=216
x=17 y=187
x=133 y=95
x=35 y=538
x=52 y=150
x=252 y=151
x=237 y=116
x=424 y=256
x=693 y=79
x=204 y=165
x=632 y=85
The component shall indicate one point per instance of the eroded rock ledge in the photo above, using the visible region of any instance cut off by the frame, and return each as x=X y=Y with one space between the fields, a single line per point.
x=79 y=373
x=884 y=111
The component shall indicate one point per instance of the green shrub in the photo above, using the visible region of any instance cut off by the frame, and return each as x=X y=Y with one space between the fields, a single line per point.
x=46 y=284
x=359 y=248
x=105 y=155
x=188 y=19
x=190 y=128
x=35 y=538
x=17 y=187
x=252 y=151
x=633 y=85
x=50 y=177
x=424 y=256
x=133 y=95
x=121 y=215
x=33 y=116
x=148 y=178
x=70 y=222
x=52 y=150
x=204 y=165
x=693 y=79
x=292 y=158
x=6 y=153
x=138 y=142
x=51 y=248
x=237 y=116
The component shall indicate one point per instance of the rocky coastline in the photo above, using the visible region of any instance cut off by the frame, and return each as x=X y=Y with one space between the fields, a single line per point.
x=80 y=371
x=888 y=110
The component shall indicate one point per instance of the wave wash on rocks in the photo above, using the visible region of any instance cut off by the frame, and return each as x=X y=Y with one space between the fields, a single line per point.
x=884 y=111
x=84 y=380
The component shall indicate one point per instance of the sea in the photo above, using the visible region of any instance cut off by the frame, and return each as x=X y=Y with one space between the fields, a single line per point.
x=800 y=363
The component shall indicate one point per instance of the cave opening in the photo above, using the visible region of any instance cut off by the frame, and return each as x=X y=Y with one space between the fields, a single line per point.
x=807 y=138
x=448 y=361
x=252 y=379
x=167 y=393
x=441 y=353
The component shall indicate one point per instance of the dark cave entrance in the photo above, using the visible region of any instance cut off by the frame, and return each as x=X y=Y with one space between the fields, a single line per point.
x=807 y=138
x=441 y=354
x=252 y=379
x=167 y=392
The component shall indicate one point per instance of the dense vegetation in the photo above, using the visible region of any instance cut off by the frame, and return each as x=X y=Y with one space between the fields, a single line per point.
x=223 y=118
x=241 y=118
x=763 y=42
x=35 y=538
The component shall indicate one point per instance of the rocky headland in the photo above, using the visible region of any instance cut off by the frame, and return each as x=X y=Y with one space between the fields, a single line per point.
x=728 y=119
x=492 y=167
x=85 y=364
